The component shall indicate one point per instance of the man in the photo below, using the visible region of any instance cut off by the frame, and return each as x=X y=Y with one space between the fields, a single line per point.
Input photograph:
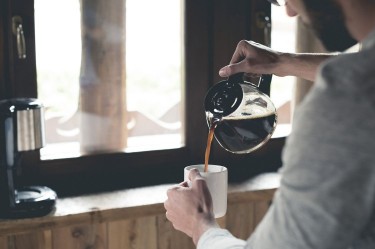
x=326 y=198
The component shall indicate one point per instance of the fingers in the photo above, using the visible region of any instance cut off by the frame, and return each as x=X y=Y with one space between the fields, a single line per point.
x=232 y=69
x=184 y=205
x=194 y=174
x=225 y=71
x=171 y=193
x=235 y=63
x=250 y=57
x=184 y=184
x=240 y=52
x=290 y=10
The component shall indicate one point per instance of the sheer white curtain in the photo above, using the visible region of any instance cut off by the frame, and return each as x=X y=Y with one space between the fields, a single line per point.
x=102 y=77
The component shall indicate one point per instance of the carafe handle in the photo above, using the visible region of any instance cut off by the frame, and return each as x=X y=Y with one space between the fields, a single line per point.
x=236 y=78
x=264 y=83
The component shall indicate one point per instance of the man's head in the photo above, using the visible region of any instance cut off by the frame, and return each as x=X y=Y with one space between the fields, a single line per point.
x=328 y=22
x=326 y=19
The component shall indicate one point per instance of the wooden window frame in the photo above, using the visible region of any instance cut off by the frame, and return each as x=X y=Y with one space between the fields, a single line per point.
x=212 y=31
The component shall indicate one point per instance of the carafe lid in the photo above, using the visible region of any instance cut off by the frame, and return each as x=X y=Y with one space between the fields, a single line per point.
x=225 y=97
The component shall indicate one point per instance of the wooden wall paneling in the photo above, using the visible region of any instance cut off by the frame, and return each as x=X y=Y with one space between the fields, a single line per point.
x=3 y=242
x=133 y=233
x=34 y=240
x=260 y=209
x=48 y=239
x=222 y=221
x=240 y=219
x=93 y=236
x=170 y=238
x=243 y=218
x=132 y=227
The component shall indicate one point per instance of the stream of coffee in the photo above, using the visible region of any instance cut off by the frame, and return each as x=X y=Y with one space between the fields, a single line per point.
x=208 y=147
x=209 y=142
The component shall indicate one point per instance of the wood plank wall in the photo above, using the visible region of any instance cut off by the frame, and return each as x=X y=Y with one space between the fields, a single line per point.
x=151 y=232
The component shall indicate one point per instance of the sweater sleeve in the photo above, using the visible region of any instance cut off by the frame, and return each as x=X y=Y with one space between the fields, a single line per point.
x=219 y=239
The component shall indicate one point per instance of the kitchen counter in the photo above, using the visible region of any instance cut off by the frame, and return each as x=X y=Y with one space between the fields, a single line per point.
x=130 y=204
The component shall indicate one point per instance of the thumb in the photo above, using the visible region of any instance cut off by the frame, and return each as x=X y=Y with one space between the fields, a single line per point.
x=231 y=69
x=194 y=174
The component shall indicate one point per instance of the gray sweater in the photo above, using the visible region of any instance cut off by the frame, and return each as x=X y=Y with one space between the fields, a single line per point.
x=326 y=198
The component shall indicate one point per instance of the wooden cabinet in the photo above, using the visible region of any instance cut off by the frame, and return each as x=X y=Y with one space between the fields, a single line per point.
x=131 y=219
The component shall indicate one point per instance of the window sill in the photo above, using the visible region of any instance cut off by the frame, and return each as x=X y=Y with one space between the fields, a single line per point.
x=114 y=171
x=130 y=204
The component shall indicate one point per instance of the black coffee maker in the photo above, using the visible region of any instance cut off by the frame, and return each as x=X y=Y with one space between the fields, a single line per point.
x=21 y=130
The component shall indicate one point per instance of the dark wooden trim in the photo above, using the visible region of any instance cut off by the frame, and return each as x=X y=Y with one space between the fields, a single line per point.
x=231 y=26
x=257 y=6
x=198 y=30
x=23 y=71
x=104 y=172
x=4 y=49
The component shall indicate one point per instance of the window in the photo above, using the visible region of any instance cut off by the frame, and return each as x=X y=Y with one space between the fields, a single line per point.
x=129 y=99
x=283 y=39
x=197 y=37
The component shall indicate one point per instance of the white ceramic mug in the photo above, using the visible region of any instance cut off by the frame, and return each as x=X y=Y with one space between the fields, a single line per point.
x=217 y=182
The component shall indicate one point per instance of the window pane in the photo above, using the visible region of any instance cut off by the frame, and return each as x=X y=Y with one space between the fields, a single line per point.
x=110 y=76
x=283 y=38
x=154 y=69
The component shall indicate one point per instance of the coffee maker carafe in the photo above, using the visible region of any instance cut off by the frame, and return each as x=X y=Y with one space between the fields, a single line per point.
x=243 y=117
x=21 y=130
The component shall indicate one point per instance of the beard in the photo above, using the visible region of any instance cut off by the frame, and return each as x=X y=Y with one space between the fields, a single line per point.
x=328 y=23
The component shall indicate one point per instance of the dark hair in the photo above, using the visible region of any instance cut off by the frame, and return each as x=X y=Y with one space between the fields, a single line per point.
x=328 y=22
